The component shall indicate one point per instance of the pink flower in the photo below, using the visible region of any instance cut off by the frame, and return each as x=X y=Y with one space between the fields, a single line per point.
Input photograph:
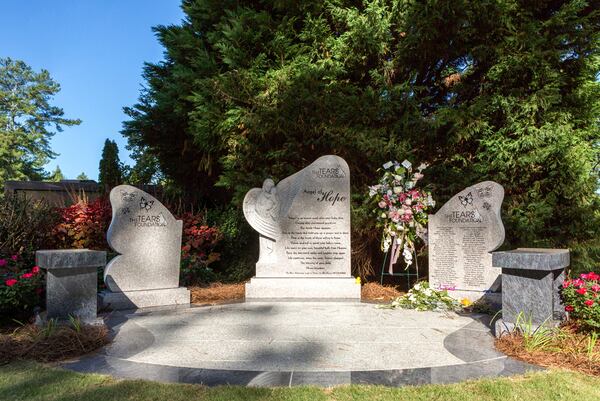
x=593 y=276
x=578 y=282
x=10 y=282
x=394 y=215
x=566 y=283
x=402 y=197
x=589 y=302
x=35 y=269
x=3 y=262
x=27 y=275
x=596 y=288
x=14 y=257
x=581 y=290
x=382 y=204
x=569 y=308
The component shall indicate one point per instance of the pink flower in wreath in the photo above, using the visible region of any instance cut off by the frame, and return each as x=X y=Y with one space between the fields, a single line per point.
x=402 y=197
x=10 y=282
x=395 y=216
x=382 y=204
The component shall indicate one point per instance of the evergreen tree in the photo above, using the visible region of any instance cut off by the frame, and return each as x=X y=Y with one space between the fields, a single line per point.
x=56 y=175
x=27 y=120
x=83 y=177
x=497 y=90
x=110 y=170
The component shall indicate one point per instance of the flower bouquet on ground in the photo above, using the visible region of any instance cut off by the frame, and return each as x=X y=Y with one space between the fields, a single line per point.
x=422 y=297
x=21 y=287
x=401 y=209
x=581 y=297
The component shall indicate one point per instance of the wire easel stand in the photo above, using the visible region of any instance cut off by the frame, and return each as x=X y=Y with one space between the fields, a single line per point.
x=406 y=273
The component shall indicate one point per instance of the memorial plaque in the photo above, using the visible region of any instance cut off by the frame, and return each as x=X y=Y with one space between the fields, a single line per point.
x=462 y=235
x=304 y=223
x=148 y=240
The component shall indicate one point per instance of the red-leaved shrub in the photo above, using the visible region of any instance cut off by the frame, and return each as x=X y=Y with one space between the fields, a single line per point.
x=83 y=225
x=198 y=249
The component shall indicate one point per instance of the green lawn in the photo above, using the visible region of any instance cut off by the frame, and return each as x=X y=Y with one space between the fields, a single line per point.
x=31 y=381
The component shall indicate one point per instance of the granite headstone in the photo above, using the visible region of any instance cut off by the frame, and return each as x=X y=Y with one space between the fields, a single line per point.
x=462 y=235
x=304 y=227
x=148 y=240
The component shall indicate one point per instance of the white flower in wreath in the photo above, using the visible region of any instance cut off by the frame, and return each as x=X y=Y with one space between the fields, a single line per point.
x=407 y=254
x=397 y=190
x=422 y=167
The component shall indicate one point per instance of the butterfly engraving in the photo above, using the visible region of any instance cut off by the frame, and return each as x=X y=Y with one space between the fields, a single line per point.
x=146 y=204
x=466 y=200
x=127 y=196
x=487 y=206
x=485 y=192
x=125 y=211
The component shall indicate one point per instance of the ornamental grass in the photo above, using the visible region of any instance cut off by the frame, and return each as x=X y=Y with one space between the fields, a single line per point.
x=564 y=347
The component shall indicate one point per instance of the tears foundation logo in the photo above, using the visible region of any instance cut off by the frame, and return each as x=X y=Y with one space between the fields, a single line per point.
x=149 y=221
x=332 y=172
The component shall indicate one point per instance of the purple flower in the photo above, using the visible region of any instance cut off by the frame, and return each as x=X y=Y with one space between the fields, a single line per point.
x=14 y=257
x=3 y=262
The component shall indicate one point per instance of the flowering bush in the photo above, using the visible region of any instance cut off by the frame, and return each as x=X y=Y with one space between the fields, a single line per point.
x=422 y=297
x=401 y=208
x=581 y=297
x=83 y=225
x=21 y=288
x=198 y=250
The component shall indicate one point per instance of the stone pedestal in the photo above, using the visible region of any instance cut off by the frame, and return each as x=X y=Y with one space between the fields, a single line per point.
x=531 y=280
x=71 y=282
x=283 y=288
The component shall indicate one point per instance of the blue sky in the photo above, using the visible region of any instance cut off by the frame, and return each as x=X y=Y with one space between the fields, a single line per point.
x=96 y=51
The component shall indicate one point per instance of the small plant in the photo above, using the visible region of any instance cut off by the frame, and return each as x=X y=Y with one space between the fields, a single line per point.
x=581 y=297
x=534 y=339
x=422 y=297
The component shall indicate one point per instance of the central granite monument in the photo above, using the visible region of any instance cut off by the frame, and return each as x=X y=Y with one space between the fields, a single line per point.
x=304 y=227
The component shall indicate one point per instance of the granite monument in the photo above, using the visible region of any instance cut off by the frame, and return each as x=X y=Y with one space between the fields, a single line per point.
x=462 y=235
x=148 y=240
x=304 y=234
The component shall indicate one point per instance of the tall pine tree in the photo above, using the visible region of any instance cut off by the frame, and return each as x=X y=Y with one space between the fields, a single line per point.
x=110 y=170
x=27 y=120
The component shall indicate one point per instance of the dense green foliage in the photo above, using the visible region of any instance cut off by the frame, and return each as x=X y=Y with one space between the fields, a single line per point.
x=27 y=120
x=500 y=90
x=110 y=169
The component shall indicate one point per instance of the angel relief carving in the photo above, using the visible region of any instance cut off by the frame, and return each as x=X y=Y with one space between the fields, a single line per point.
x=303 y=221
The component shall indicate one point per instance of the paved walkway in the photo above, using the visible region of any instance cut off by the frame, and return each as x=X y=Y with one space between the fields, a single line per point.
x=292 y=343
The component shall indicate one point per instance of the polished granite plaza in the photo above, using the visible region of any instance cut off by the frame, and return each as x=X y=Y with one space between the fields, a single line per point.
x=294 y=343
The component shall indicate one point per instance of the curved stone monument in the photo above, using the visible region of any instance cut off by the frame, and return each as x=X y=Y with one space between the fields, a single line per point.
x=304 y=227
x=148 y=240
x=462 y=235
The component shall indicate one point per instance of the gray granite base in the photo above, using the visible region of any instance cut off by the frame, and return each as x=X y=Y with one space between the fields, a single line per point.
x=272 y=288
x=177 y=297
x=268 y=344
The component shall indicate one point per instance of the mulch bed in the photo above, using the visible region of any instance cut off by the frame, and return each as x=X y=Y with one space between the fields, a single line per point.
x=217 y=293
x=568 y=351
x=51 y=343
x=379 y=293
